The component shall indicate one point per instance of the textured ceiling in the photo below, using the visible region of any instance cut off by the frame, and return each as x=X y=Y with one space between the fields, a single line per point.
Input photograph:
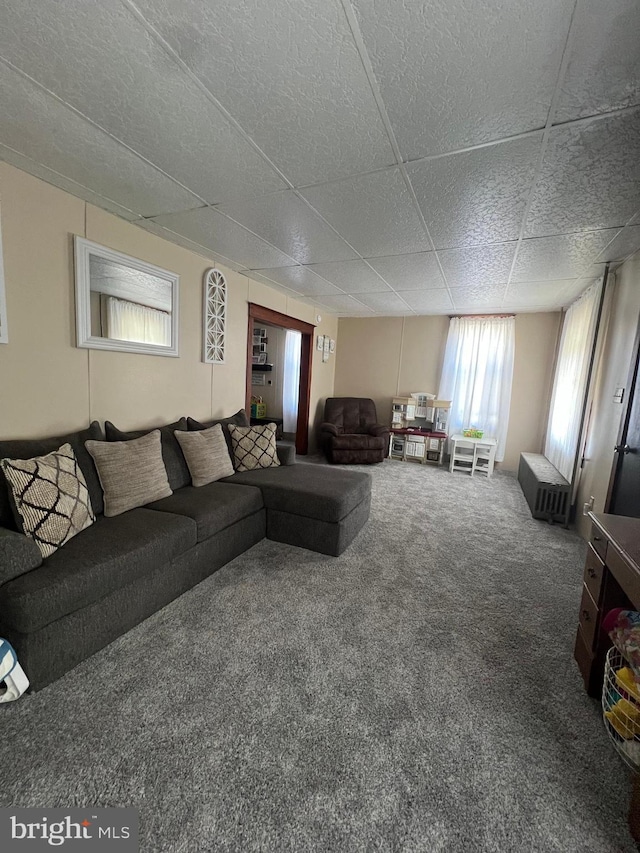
x=374 y=157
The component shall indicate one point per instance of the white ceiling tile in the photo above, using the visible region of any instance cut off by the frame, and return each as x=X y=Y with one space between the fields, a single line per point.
x=477 y=265
x=527 y=294
x=47 y=132
x=488 y=296
x=288 y=222
x=590 y=177
x=351 y=276
x=383 y=303
x=116 y=74
x=577 y=288
x=300 y=279
x=419 y=271
x=598 y=78
x=180 y=240
x=375 y=213
x=625 y=243
x=477 y=197
x=290 y=73
x=66 y=184
x=564 y=256
x=344 y=304
x=428 y=301
x=459 y=73
x=211 y=229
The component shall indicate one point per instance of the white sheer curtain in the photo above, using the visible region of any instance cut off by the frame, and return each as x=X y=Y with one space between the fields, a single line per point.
x=569 y=383
x=291 y=380
x=477 y=375
x=128 y=321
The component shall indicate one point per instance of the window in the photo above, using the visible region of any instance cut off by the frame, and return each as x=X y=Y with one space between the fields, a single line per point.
x=569 y=384
x=477 y=375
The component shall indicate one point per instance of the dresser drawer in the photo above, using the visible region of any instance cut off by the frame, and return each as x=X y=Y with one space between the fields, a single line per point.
x=593 y=572
x=599 y=542
x=584 y=658
x=588 y=618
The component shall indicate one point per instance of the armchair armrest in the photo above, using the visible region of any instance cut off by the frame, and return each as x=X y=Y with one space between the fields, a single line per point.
x=286 y=452
x=331 y=429
x=378 y=429
x=18 y=555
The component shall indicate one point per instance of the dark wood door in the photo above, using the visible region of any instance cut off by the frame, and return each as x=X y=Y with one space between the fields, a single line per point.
x=625 y=480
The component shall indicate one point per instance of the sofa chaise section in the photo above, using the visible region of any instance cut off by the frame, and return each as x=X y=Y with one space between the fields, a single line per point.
x=312 y=506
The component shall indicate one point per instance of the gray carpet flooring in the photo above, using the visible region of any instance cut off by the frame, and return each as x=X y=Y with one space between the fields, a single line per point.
x=417 y=693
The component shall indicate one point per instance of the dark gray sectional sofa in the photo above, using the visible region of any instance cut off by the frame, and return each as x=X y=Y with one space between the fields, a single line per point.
x=58 y=611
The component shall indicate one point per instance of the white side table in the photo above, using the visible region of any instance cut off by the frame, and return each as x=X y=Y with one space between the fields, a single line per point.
x=472 y=454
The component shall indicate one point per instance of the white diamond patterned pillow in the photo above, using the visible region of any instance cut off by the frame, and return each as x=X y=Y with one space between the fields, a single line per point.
x=50 y=499
x=254 y=447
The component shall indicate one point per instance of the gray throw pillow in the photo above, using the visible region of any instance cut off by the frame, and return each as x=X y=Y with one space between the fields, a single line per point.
x=207 y=455
x=50 y=497
x=254 y=447
x=132 y=472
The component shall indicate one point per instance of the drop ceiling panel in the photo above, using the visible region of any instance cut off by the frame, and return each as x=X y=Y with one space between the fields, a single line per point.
x=66 y=184
x=46 y=131
x=288 y=222
x=180 y=240
x=625 y=243
x=385 y=303
x=211 y=229
x=300 y=279
x=419 y=271
x=459 y=73
x=528 y=294
x=565 y=256
x=599 y=79
x=351 y=276
x=428 y=301
x=374 y=213
x=590 y=177
x=343 y=304
x=289 y=72
x=486 y=296
x=477 y=265
x=479 y=196
x=116 y=74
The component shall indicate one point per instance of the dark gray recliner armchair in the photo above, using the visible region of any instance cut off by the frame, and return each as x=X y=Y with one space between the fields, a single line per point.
x=351 y=434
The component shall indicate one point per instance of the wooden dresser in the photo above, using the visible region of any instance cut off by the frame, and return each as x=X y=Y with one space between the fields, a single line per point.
x=611 y=579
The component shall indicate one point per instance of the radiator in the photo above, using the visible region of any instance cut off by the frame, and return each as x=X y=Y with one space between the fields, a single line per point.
x=545 y=489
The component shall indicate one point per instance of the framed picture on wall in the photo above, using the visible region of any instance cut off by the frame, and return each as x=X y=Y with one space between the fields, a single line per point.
x=320 y=343
x=332 y=346
x=325 y=350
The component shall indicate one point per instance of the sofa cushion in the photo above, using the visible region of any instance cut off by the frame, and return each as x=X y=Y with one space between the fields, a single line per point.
x=359 y=442
x=132 y=472
x=110 y=554
x=315 y=491
x=28 y=448
x=239 y=419
x=213 y=507
x=254 y=447
x=207 y=455
x=50 y=497
x=174 y=461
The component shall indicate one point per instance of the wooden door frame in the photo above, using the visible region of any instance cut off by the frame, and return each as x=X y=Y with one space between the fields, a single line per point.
x=632 y=385
x=284 y=321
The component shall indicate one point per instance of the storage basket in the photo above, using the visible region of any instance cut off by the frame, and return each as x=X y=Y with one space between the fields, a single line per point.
x=621 y=708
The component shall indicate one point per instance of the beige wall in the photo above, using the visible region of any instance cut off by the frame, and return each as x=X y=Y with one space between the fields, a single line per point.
x=622 y=325
x=49 y=385
x=385 y=357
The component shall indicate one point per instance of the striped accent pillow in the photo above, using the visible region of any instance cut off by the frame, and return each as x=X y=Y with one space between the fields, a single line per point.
x=49 y=497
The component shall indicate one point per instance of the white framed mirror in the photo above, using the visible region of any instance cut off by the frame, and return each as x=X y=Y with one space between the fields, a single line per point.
x=123 y=303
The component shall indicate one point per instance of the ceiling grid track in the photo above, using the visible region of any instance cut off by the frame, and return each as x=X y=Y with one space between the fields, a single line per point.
x=368 y=69
x=545 y=139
